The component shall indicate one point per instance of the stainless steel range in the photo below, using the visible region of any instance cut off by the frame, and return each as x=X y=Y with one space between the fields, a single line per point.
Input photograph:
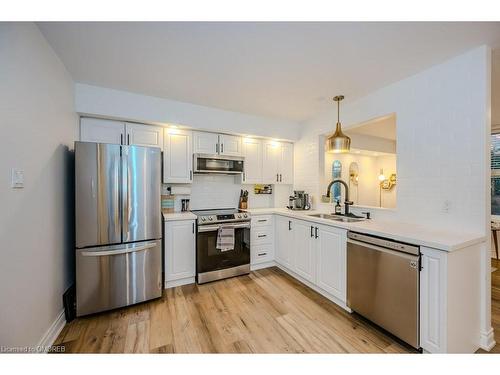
x=222 y=244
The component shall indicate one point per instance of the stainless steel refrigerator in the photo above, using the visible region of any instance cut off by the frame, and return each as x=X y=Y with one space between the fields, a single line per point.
x=118 y=225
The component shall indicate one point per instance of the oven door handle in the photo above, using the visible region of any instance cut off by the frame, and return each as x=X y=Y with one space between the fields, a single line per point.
x=211 y=228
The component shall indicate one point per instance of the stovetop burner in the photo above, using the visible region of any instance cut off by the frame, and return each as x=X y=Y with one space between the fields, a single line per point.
x=221 y=216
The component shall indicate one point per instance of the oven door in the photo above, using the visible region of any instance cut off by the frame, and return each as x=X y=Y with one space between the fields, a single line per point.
x=212 y=263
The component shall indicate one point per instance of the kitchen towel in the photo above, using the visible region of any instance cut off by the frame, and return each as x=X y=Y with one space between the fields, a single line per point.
x=225 y=238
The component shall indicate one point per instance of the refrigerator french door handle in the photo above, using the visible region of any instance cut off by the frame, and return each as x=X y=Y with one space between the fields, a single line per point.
x=125 y=194
x=92 y=188
x=120 y=251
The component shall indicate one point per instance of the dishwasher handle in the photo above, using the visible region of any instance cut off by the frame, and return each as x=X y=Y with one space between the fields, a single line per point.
x=412 y=257
x=384 y=242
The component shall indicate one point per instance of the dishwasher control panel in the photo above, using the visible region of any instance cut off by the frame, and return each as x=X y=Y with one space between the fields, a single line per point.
x=384 y=242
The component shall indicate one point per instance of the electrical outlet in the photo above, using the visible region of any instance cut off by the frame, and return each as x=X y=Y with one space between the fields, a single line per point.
x=17 y=178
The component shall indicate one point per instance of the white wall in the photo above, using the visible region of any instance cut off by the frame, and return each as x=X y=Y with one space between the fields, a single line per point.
x=104 y=102
x=442 y=114
x=443 y=126
x=38 y=125
x=367 y=192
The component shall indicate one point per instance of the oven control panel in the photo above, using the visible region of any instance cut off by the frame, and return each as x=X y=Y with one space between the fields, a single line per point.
x=208 y=219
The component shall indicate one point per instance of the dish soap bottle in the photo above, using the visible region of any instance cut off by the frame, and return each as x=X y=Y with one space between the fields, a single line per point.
x=338 y=209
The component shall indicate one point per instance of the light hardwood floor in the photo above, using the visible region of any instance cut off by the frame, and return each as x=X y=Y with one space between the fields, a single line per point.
x=264 y=312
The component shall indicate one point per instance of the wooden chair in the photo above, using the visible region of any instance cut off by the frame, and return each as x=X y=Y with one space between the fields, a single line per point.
x=495 y=226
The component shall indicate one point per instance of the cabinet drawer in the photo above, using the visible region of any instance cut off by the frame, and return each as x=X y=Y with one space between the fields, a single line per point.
x=262 y=235
x=262 y=221
x=261 y=254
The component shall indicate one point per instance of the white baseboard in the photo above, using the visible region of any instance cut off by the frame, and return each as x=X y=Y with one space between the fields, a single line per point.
x=54 y=330
x=259 y=266
x=174 y=283
x=487 y=340
x=324 y=293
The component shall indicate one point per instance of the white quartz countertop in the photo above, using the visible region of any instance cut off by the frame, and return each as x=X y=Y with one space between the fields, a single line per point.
x=176 y=216
x=410 y=233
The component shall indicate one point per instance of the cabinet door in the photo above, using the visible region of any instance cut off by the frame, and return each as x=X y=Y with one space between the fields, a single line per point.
x=177 y=156
x=205 y=143
x=433 y=301
x=284 y=241
x=305 y=250
x=101 y=131
x=286 y=164
x=270 y=161
x=179 y=249
x=331 y=261
x=252 y=151
x=143 y=135
x=230 y=145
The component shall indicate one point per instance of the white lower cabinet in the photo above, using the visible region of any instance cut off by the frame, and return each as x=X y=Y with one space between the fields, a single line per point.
x=261 y=241
x=284 y=242
x=331 y=261
x=316 y=253
x=432 y=284
x=180 y=252
x=305 y=243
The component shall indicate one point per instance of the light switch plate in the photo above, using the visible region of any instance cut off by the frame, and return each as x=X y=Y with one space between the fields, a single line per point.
x=17 y=178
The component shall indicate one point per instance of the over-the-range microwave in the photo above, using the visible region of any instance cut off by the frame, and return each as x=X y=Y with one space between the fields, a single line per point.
x=218 y=164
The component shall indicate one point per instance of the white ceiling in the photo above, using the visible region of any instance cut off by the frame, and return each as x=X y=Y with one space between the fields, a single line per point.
x=382 y=127
x=286 y=70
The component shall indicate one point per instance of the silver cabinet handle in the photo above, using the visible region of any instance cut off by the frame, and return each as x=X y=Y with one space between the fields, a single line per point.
x=277 y=177
x=280 y=177
x=216 y=148
x=261 y=254
x=222 y=148
x=128 y=139
x=119 y=251
x=262 y=235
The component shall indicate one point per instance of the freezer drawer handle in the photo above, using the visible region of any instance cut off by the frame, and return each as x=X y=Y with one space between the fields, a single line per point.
x=117 y=252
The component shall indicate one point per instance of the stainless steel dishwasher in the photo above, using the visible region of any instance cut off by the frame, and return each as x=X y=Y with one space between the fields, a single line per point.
x=383 y=284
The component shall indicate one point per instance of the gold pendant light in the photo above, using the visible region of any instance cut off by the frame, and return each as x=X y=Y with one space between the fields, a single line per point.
x=338 y=142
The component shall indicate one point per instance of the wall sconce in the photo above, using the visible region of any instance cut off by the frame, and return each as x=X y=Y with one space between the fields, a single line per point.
x=385 y=183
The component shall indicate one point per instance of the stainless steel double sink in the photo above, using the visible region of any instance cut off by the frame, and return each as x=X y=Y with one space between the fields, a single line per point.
x=345 y=219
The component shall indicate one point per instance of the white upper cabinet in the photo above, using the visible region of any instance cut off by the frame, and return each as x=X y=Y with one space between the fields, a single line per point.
x=286 y=164
x=270 y=161
x=230 y=145
x=277 y=163
x=205 y=143
x=177 y=156
x=101 y=131
x=143 y=135
x=252 y=151
x=120 y=133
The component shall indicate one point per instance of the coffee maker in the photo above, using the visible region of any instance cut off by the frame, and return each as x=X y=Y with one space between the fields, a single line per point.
x=299 y=201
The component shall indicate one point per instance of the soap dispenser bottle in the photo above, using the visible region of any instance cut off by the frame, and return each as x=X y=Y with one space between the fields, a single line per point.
x=338 y=208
